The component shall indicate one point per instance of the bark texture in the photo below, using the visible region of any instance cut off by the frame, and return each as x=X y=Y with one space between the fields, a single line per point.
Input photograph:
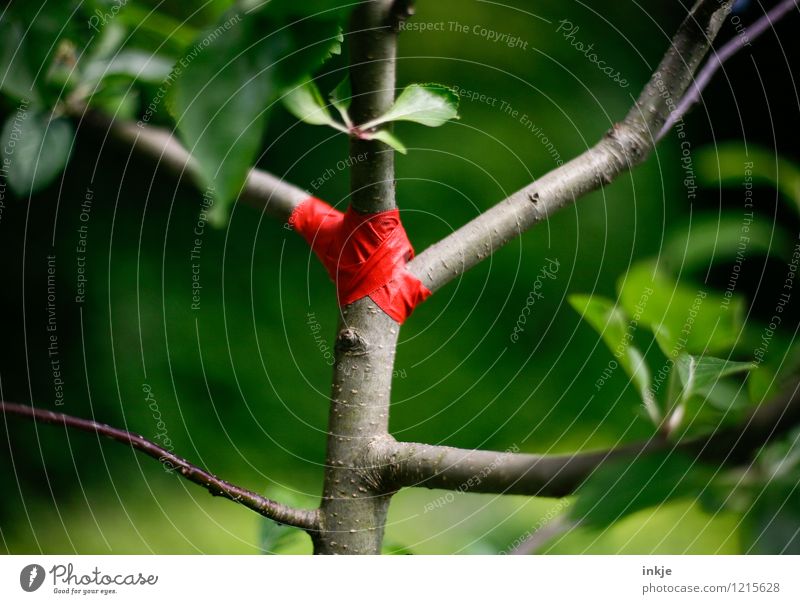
x=354 y=505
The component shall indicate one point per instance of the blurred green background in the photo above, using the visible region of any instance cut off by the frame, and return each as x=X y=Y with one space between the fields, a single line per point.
x=241 y=385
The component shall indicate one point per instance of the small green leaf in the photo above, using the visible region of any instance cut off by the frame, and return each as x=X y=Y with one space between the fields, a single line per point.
x=16 y=76
x=138 y=16
x=222 y=98
x=613 y=325
x=707 y=398
x=340 y=98
x=305 y=102
x=700 y=374
x=712 y=239
x=108 y=42
x=427 y=104
x=36 y=149
x=390 y=139
x=619 y=488
x=683 y=318
x=134 y=64
x=728 y=164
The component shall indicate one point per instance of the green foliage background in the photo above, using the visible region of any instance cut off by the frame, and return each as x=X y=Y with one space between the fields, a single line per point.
x=241 y=384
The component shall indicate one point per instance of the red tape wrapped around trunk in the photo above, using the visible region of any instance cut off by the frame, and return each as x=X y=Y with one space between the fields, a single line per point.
x=364 y=254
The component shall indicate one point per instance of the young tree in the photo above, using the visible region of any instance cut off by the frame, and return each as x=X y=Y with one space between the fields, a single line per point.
x=365 y=465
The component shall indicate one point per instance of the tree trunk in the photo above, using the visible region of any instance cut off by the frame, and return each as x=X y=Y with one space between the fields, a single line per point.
x=354 y=502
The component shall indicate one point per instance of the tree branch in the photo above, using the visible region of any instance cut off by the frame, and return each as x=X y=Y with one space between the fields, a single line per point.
x=262 y=190
x=304 y=519
x=718 y=59
x=627 y=144
x=438 y=467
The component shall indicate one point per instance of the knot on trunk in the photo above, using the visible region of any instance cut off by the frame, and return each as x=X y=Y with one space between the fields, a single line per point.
x=350 y=342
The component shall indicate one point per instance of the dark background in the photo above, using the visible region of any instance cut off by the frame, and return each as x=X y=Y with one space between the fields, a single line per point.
x=241 y=384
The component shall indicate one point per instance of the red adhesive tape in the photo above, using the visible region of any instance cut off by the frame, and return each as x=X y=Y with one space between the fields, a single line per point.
x=364 y=254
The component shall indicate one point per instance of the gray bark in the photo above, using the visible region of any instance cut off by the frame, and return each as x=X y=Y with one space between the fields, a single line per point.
x=373 y=48
x=478 y=471
x=354 y=505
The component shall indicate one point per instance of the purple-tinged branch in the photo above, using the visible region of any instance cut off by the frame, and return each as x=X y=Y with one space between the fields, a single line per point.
x=720 y=57
x=304 y=519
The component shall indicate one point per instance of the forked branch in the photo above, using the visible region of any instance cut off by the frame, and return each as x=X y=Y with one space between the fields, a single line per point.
x=304 y=519
x=417 y=465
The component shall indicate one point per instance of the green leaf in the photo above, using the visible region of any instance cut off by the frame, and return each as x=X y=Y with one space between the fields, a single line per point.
x=134 y=64
x=16 y=76
x=726 y=164
x=700 y=374
x=390 y=139
x=619 y=488
x=108 y=42
x=222 y=98
x=340 y=98
x=305 y=102
x=427 y=104
x=708 y=398
x=166 y=28
x=614 y=327
x=728 y=397
x=36 y=150
x=683 y=318
x=712 y=239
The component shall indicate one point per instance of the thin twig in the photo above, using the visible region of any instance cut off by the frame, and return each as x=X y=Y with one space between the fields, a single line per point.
x=305 y=519
x=718 y=59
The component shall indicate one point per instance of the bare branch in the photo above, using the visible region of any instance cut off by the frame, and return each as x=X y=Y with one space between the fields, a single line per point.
x=718 y=59
x=262 y=190
x=438 y=467
x=477 y=471
x=624 y=146
x=304 y=519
